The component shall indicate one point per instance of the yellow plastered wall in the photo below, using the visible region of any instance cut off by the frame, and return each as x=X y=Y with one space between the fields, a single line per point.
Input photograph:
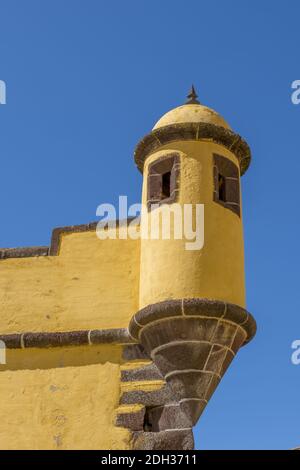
x=92 y=284
x=66 y=398
x=216 y=271
x=61 y=398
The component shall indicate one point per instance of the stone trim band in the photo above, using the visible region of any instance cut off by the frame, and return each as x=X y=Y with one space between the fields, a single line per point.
x=24 y=252
x=66 y=338
x=193 y=131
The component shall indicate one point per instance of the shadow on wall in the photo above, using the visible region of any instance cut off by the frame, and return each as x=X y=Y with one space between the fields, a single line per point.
x=53 y=358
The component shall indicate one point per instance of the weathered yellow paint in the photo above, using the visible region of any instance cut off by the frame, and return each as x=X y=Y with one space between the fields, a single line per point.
x=129 y=408
x=66 y=398
x=135 y=364
x=146 y=385
x=75 y=290
x=63 y=398
x=168 y=270
x=191 y=113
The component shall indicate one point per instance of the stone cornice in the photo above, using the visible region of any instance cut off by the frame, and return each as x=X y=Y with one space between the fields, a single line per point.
x=57 y=232
x=66 y=338
x=193 y=131
x=24 y=252
x=53 y=249
x=194 y=307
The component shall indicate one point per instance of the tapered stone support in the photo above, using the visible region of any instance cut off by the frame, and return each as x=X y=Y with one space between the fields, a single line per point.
x=192 y=342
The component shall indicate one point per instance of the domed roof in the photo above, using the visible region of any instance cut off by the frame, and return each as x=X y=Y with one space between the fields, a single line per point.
x=192 y=111
x=192 y=121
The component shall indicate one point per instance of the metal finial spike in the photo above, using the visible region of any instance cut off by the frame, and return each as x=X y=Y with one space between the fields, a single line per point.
x=192 y=97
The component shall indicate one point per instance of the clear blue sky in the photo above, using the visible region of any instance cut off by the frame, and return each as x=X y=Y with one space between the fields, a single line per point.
x=87 y=79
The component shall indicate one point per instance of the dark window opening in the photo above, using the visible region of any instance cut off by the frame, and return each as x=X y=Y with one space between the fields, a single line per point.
x=147 y=425
x=166 y=185
x=163 y=181
x=222 y=188
x=226 y=184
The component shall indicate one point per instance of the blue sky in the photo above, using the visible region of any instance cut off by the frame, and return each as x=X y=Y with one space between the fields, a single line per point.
x=87 y=79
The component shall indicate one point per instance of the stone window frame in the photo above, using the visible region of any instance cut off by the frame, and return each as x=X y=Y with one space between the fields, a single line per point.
x=230 y=172
x=164 y=164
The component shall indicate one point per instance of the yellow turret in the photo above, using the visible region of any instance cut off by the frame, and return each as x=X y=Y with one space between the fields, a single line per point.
x=216 y=271
x=192 y=318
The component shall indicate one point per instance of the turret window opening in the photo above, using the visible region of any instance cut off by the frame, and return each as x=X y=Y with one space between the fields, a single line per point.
x=222 y=187
x=166 y=185
x=226 y=184
x=163 y=180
